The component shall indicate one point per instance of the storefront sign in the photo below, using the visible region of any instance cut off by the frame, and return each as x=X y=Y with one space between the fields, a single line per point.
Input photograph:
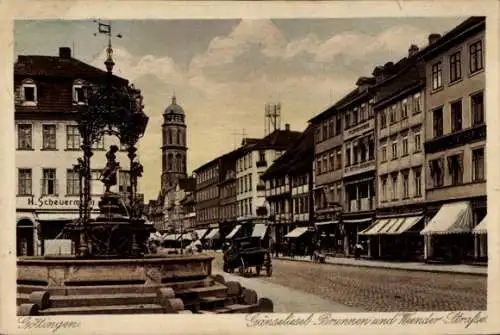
x=51 y=202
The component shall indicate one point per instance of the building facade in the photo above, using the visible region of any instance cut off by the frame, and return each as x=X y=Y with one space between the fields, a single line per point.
x=455 y=137
x=207 y=194
x=399 y=109
x=48 y=94
x=328 y=176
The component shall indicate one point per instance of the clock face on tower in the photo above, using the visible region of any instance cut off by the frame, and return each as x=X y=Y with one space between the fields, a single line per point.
x=174 y=146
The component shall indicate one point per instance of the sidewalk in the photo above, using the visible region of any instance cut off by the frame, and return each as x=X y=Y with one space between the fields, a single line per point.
x=287 y=300
x=410 y=266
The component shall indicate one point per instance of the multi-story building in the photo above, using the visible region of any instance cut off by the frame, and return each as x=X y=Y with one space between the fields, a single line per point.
x=359 y=161
x=288 y=188
x=207 y=194
x=227 y=191
x=399 y=109
x=255 y=160
x=48 y=95
x=328 y=176
x=178 y=211
x=455 y=137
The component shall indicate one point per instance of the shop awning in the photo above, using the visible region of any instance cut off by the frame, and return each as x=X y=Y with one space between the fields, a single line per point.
x=201 y=233
x=259 y=230
x=186 y=236
x=172 y=237
x=325 y=223
x=482 y=227
x=392 y=226
x=297 y=232
x=213 y=235
x=356 y=221
x=233 y=232
x=454 y=218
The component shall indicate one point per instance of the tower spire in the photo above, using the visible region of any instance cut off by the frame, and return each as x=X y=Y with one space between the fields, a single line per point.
x=105 y=29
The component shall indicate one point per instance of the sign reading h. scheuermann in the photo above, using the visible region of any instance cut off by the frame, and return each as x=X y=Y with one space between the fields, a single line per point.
x=54 y=202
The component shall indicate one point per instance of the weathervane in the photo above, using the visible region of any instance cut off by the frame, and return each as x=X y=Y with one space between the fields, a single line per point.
x=104 y=28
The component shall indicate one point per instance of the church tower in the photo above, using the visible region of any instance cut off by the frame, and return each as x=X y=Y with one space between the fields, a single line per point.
x=174 y=146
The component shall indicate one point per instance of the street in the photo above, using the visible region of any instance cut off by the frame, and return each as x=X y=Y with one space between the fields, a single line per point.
x=351 y=288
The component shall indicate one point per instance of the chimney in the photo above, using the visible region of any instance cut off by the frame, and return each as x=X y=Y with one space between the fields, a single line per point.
x=287 y=126
x=64 y=52
x=433 y=38
x=412 y=50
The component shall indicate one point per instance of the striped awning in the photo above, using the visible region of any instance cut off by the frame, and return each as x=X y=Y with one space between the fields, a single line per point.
x=297 y=232
x=186 y=237
x=201 y=233
x=213 y=235
x=233 y=232
x=259 y=230
x=325 y=223
x=454 y=218
x=392 y=226
x=356 y=221
x=171 y=237
x=482 y=227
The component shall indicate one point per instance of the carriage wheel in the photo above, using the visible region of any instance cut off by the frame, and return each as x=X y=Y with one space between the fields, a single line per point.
x=242 y=268
x=269 y=270
x=257 y=270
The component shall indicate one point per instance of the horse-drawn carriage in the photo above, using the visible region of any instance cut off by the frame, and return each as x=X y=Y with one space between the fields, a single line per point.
x=246 y=253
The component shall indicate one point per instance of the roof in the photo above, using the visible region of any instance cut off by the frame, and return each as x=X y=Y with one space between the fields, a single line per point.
x=174 y=108
x=278 y=139
x=470 y=26
x=296 y=158
x=54 y=66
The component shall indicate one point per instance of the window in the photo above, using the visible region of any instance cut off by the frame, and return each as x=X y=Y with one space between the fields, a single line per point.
x=332 y=161
x=338 y=159
x=417 y=103
x=455 y=169
x=78 y=93
x=49 y=136
x=72 y=138
x=405 y=146
x=28 y=92
x=347 y=156
x=383 y=181
x=384 y=154
x=404 y=109
x=383 y=119
x=331 y=128
x=170 y=162
x=438 y=122
x=476 y=56
x=99 y=144
x=262 y=155
x=418 y=142
x=169 y=137
x=347 y=120
x=324 y=132
x=325 y=164
x=393 y=114
x=437 y=172
x=338 y=124
x=72 y=182
x=355 y=152
x=394 y=178
x=250 y=182
x=406 y=192
x=179 y=137
x=49 y=182
x=394 y=150
x=456 y=116
x=24 y=137
x=363 y=112
x=318 y=134
x=437 y=75
x=417 y=179
x=371 y=149
x=355 y=117
x=477 y=108
x=455 y=67
x=24 y=182
x=478 y=165
x=318 y=166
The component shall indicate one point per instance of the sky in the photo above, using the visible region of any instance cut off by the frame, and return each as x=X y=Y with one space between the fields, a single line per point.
x=223 y=72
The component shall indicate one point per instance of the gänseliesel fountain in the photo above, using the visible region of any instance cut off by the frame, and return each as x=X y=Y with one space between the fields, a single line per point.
x=112 y=270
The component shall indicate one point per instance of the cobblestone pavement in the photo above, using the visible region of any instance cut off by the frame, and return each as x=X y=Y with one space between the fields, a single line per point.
x=380 y=290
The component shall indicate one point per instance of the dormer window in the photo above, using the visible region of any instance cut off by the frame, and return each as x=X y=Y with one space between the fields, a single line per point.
x=28 y=93
x=78 y=92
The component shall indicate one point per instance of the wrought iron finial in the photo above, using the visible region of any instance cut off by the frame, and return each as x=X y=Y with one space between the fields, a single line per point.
x=105 y=29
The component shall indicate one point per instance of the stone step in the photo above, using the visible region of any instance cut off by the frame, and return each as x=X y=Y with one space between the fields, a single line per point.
x=115 y=309
x=204 y=291
x=239 y=308
x=102 y=299
x=110 y=289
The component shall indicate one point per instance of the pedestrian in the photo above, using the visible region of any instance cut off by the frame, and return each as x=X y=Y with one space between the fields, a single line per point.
x=357 y=251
